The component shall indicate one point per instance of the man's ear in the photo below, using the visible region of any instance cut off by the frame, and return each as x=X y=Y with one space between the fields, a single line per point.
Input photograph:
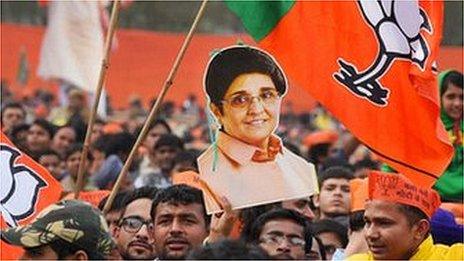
x=315 y=200
x=79 y=255
x=116 y=231
x=422 y=228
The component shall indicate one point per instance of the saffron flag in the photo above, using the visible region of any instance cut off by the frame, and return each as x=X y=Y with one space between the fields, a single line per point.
x=371 y=64
x=26 y=188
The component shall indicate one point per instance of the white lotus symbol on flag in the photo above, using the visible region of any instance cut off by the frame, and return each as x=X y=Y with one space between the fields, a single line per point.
x=19 y=187
x=397 y=26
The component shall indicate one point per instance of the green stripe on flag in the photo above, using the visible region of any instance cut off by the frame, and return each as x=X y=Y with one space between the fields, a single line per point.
x=260 y=17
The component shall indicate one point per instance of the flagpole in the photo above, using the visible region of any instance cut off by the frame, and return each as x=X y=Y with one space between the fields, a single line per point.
x=154 y=110
x=101 y=80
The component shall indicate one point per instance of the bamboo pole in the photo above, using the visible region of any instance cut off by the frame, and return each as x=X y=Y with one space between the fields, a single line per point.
x=101 y=80
x=154 y=110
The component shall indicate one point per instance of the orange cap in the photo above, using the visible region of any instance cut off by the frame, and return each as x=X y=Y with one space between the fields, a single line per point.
x=112 y=128
x=358 y=194
x=318 y=137
x=399 y=189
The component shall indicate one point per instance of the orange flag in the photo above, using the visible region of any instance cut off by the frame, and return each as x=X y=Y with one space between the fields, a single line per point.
x=26 y=188
x=371 y=64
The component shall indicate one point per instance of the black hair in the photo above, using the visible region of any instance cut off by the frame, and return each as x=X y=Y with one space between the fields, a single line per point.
x=77 y=147
x=143 y=192
x=169 y=140
x=453 y=77
x=249 y=215
x=46 y=125
x=230 y=63
x=366 y=163
x=118 y=143
x=15 y=105
x=160 y=122
x=318 y=150
x=189 y=157
x=413 y=214
x=321 y=247
x=180 y=194
x=334 y=173
x=49 y=152
x=118 y=201
x=330 y=162
x=228 y=250
x=327 y=225
x=357 y=221
x=277 y=214
x=64 y=249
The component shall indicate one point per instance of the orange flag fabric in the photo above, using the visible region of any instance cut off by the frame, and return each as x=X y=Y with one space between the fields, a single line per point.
x=358 y=194
x=93 y=197
x=371 y=64
x=26 y=188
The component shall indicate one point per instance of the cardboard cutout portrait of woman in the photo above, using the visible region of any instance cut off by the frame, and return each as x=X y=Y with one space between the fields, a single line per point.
x=248 y=163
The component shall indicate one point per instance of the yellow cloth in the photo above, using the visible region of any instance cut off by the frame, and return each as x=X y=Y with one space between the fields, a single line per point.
x=427 y=251
x=248 y=176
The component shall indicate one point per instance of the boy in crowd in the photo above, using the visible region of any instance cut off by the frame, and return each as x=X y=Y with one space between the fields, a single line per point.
x=333 y=200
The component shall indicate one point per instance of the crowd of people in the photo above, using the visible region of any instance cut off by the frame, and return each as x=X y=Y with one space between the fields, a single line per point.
x=153 y=217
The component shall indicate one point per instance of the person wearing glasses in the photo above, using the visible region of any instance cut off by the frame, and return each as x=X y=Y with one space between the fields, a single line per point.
x=282 y=233
x=134 y=233
x=247 y=163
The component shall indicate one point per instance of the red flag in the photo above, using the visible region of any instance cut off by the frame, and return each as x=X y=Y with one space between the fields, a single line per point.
x=371 y=64
x=26 y=188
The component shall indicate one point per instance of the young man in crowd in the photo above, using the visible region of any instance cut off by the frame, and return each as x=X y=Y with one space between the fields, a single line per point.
x=13 y=114
x=115 y=212
x=39 y=137
x=164 y=151
x=333 y=200
x=63 y=139
x=397 y=219
x=50 y=160
x=332 y=234
x=282 y=233
x=70 y=229
x=180 y=219
x=134 y=233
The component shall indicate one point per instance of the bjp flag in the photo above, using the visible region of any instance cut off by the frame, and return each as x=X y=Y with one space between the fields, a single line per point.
x=26 y=188
x=371 y=64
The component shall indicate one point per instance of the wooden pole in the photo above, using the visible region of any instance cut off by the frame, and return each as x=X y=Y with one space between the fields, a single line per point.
x=101 y=80
x=154 y=110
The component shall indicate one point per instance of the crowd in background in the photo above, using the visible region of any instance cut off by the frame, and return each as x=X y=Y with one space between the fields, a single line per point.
x=53 y=136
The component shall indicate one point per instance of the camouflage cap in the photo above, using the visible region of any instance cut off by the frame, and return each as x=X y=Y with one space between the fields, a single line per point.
x=73 y=221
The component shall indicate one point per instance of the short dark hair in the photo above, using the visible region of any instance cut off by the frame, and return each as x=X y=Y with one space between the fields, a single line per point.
x=275 y=214
x=46 y=125
x=228 y=250
x=169 y=140
x=160 y=122
x=330 y=226
x=64 y=248
x=14 y=105
x=335 y=173
x=357 y=220
x=118 y=201
x=413 y=214
x=117 y=143
x=453 y=77
x=17 y=129
x=49 y=152
x=77 y=147
x=143 y=192
x=229 y=63
x=180 y=194
x=188 y=156
x=249 y=215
